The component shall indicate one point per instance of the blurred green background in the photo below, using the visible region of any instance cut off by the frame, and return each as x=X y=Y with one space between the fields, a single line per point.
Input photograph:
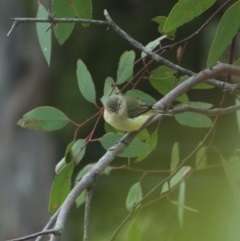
x=27 y=158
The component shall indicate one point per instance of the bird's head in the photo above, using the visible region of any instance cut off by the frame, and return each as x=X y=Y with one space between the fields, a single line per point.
x=115 y=104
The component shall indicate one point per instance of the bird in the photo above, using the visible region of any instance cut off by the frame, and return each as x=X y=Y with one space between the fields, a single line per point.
x=127 y=113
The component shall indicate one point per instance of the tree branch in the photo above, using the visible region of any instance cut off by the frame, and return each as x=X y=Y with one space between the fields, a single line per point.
x=52 y=20
x=49 y=224
x=206 y=75
x=211 y=112
x=232 y=88
x=50 y=231
x=87 y=213
x=202 y=76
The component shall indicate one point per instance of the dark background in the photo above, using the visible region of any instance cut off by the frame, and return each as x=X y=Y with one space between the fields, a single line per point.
x=27 y=158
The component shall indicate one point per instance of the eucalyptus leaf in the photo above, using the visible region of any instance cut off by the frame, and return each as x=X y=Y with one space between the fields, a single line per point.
x=138 y=94
x=44 y=119
x=60 y=188
x=227 y=29
x=125 y=67
x=63 y=9
x=134 y=196
x=85 y=82
x=83 y=9
x=177 y=178
x=134 y=149
x=44 y=36
x=134 y=233
x=184 y=11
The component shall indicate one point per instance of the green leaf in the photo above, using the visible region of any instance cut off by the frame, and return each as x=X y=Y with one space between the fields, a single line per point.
x=163 y=80
x=237 y=62
x=138 y=94
x=163 y=85
x=76 y=152
x=83 y=9
x=181 y=201
x=63 y=9
x=162 y=72
x=44 y=119
x=152 y=45
x=81 y=199
x=184 y=11
x=125 y=67
x=134 y=233
x=134 y=149
x=201 y=158
x=43 y=36
x=85 y=82
x=68 y=149
x=197 y=104
x=175 y=157
x=134 y=196
x=110 y=129
x=60 y=188
x=227 y=29
x=142 y=135
x=232 y=169
x=108 y=89
x=237 y=102
x=185 y=207
x=161 y=21
x=192 y=119
x=177 y=178
x=152 y=142
x=60 y=165
x=201 y=86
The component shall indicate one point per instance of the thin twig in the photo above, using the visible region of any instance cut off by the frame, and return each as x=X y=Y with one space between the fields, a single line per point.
x=139 y=46
x=59 y=20
x=50 y=231
x=49 y=224
x=180 y=166
x=211 y=112
x=15 y=23
x=54 y=21
x=225 y=86
x=122 y=224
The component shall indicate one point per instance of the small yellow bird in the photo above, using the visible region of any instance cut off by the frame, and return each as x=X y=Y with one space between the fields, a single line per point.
x=127 y=113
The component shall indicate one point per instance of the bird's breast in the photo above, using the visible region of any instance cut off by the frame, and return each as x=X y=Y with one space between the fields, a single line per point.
x=123 y=122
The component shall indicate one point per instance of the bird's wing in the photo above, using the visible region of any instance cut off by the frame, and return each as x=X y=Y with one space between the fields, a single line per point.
x=136 y=107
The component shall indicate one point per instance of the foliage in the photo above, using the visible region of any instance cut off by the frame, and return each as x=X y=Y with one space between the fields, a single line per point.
x=163 y=79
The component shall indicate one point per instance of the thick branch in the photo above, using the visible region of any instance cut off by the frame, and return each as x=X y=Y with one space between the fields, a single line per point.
x=89 y=179
x=202 y=76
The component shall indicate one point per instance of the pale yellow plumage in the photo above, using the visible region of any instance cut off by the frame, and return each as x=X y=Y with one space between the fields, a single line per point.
x=127 y=113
